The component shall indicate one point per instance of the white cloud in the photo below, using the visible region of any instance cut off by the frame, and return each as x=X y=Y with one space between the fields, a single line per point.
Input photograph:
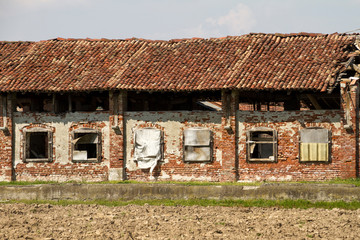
x=237 y=21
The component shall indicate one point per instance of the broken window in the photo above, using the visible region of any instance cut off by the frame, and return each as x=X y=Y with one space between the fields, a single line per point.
x=197 y=145
x=37 y=145
x=86 y=145
x=148 y=147
x=261 y=145
x=314 y=144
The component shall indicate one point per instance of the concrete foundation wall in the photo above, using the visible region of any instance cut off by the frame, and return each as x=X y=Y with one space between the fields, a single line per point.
x=114 y=192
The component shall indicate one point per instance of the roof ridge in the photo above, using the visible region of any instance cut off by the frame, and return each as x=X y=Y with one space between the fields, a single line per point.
x=176 y=40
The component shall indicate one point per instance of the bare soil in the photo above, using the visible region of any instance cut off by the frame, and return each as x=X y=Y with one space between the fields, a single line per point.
x=44 y=221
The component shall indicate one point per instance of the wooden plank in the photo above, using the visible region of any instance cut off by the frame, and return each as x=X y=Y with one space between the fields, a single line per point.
x=314 y=101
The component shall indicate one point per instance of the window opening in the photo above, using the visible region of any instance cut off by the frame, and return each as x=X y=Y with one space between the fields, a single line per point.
x=86 y=145
x=88 y=102
x=62 y=102
x=174 y=101
x=38 y=145
x=289 y=101
x=262 y=145
x=30 y=102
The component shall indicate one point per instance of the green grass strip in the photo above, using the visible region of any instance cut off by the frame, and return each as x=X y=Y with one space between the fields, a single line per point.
x=353 y=181
x=22 y=183
x=302 y=204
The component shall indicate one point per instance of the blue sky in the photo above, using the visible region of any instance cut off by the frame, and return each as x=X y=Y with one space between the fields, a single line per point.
x=35 y=20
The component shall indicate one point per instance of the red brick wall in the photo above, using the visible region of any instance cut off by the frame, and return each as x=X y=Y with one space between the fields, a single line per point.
x=353 y=93
x=288 y=126
x=287 y=167
x=61 y=168
x=117 y=108
x=229 y=144
x=5 y=142
x=53 y=171
x=172 y=167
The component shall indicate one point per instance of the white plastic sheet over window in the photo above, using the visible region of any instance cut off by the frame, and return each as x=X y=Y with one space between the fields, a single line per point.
x=147 y=148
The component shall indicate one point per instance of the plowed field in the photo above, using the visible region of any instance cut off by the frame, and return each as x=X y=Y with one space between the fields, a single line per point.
x=43 y=221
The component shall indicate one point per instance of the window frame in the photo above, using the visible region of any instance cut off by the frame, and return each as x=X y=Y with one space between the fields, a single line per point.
x=328 y=146
x=210 y=146
x=26 y=146
x=98 y=145
x=249 y=141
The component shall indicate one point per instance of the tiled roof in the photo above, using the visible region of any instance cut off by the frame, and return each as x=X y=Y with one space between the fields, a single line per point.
x=254 y=61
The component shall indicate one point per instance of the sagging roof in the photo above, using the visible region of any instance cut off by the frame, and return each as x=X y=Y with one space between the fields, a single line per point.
x=249 y=62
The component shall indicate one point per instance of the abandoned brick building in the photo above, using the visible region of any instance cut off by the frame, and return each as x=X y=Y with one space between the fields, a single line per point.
x=255 y=107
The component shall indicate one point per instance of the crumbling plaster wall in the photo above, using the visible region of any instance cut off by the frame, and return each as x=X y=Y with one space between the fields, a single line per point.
x=61 y=168
x=172 y=166
x=288 y=125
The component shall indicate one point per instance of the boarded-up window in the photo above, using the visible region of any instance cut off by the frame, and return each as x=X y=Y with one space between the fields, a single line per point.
x=261 y=145
x=148 y=147
x=197 y=145
x=37 y=145
x=86 y=145
x=314 y=144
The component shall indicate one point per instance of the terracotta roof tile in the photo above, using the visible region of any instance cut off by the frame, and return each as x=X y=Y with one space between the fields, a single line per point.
x=253 y=61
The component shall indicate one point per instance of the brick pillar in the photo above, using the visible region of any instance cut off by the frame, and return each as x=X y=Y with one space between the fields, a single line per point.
x=117 y=135
x=228 y=145
x=6 y=165
x=349 y=91
x=354 y=95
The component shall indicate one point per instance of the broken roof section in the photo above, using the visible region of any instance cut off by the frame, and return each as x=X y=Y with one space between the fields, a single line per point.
x=249 y=62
